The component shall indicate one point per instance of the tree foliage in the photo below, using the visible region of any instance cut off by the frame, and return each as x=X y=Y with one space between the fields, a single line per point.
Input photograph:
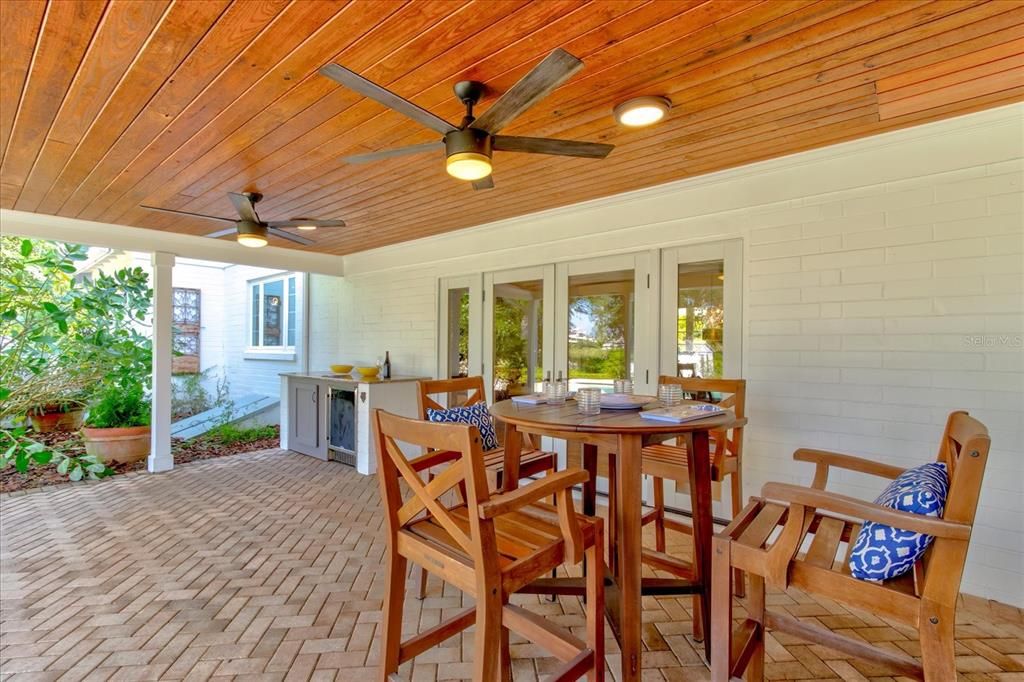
x=63 y=339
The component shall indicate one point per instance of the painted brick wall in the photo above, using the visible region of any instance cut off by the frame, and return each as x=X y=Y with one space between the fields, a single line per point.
x=883 y=288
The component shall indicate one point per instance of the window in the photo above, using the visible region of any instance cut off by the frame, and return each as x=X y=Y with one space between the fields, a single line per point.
x=273 y=306
x=185 y=340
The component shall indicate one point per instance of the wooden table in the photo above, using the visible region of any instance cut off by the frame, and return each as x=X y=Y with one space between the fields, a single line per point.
x=624 y=433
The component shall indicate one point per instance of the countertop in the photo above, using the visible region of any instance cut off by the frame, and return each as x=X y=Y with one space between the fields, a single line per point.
x=351 y=379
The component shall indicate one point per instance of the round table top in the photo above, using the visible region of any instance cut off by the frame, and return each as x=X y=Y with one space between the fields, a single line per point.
x=567 y=418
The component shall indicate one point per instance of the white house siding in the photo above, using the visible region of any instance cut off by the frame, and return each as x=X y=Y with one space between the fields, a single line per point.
x=882 y=289
x=209 y=279
x=247 y=372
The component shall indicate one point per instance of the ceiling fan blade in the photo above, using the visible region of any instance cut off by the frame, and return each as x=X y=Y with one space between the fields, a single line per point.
x=484 y=183
x=368 y=88
x=299 y=222
x=397 y=151
x=556 y=68
x=222 y=232
x=194 y=215
x=548 y=145
x=289 y=236
x=244 y=206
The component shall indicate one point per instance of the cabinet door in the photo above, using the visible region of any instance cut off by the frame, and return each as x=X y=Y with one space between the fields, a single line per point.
x=306 y=436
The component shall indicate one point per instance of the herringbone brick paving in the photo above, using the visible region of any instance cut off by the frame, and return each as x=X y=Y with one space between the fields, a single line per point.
x=268 y=566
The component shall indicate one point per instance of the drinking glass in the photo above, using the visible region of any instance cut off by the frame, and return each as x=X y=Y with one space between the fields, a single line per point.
x=556 y=393
x=588 y=400
x=670 y=394
x=623 y=386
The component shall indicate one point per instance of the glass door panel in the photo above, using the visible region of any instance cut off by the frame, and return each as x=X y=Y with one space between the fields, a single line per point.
x=601 y=328
x=517 y=324
x=518 y=352
x=459 y=334
x=457 y=360
x=699 y=319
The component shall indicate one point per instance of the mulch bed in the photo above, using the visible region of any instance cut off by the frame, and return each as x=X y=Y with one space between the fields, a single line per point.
x=70 y=442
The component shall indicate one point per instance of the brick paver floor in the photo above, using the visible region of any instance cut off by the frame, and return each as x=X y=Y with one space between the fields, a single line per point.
x=269 y=566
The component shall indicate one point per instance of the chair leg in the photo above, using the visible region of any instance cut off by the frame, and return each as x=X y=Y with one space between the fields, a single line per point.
x=737 y=506
x=506 y=657
x=554 y=503
x=593 y=563
x=937 y=645
x=698 y=620
x=721 y=610
x=755 y=611
x=422 y=592
x=659 y=514
x=394 y=597
x=488 y=636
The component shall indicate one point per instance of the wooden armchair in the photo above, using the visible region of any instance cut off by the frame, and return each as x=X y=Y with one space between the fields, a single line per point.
x=488 y=545
x=766 y=538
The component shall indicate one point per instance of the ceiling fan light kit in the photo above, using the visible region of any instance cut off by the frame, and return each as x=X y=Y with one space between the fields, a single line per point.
x=642 y=111
x=251 y=234
x=468 y=154
x=469 y=146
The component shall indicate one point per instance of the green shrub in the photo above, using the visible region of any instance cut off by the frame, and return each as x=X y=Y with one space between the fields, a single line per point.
x=120 y=407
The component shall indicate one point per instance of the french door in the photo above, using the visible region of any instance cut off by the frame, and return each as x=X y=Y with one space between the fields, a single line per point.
x=459 y=348
x=701 y=323
x=604 y=309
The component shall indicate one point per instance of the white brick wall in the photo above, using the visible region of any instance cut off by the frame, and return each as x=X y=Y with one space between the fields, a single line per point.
x=883 y=289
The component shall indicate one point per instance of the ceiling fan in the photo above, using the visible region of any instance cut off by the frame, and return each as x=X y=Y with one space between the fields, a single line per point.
x=468 y=147
x=249 y=230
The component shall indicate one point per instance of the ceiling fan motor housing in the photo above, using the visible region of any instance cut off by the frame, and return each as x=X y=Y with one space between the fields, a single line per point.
x=467 y=141
x=247 y=227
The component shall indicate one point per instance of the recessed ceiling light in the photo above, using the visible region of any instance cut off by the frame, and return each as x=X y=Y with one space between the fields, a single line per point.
x=306 y=227
x=642 y=111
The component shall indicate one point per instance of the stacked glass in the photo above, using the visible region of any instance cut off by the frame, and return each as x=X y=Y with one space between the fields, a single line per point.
x=556 y=390
x=670 y=394
x=588 y=401
x=623 y=386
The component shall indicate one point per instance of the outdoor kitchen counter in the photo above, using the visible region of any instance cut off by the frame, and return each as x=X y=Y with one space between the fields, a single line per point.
x=351 y=378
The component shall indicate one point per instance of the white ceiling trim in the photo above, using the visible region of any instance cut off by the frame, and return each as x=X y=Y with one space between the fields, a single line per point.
x=90 y=233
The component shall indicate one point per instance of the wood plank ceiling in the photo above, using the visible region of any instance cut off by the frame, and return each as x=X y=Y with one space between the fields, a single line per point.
x=106 y=105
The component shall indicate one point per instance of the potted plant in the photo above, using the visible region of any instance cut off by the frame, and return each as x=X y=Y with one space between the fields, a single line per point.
x=57 y=415
x=117 y=429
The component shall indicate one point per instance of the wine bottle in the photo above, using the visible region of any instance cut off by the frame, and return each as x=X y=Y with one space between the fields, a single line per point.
x=387 y=365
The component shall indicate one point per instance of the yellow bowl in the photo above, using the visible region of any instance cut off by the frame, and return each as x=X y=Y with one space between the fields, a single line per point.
x=368 y=372
x=341 y=369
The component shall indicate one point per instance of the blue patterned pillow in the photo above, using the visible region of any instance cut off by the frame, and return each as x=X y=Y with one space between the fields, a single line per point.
x=882 y=552
x=477 y=415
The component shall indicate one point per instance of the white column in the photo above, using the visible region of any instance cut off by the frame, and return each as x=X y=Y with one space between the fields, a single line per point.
x=160 y=458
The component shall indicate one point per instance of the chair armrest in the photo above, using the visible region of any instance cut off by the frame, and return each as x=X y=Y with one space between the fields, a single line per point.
x=824 y=460
x=528 y=494
x=859 y=509
x=433 y=458
x=560 y=485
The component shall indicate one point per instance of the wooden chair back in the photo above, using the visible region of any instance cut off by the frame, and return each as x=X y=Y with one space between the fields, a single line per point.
x=735 y=398
x=460 y=392
x=466 y=470
x=964 y=449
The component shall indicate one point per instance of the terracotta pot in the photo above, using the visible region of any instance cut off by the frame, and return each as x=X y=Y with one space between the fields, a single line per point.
x=117 y=445
x=56 y=421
